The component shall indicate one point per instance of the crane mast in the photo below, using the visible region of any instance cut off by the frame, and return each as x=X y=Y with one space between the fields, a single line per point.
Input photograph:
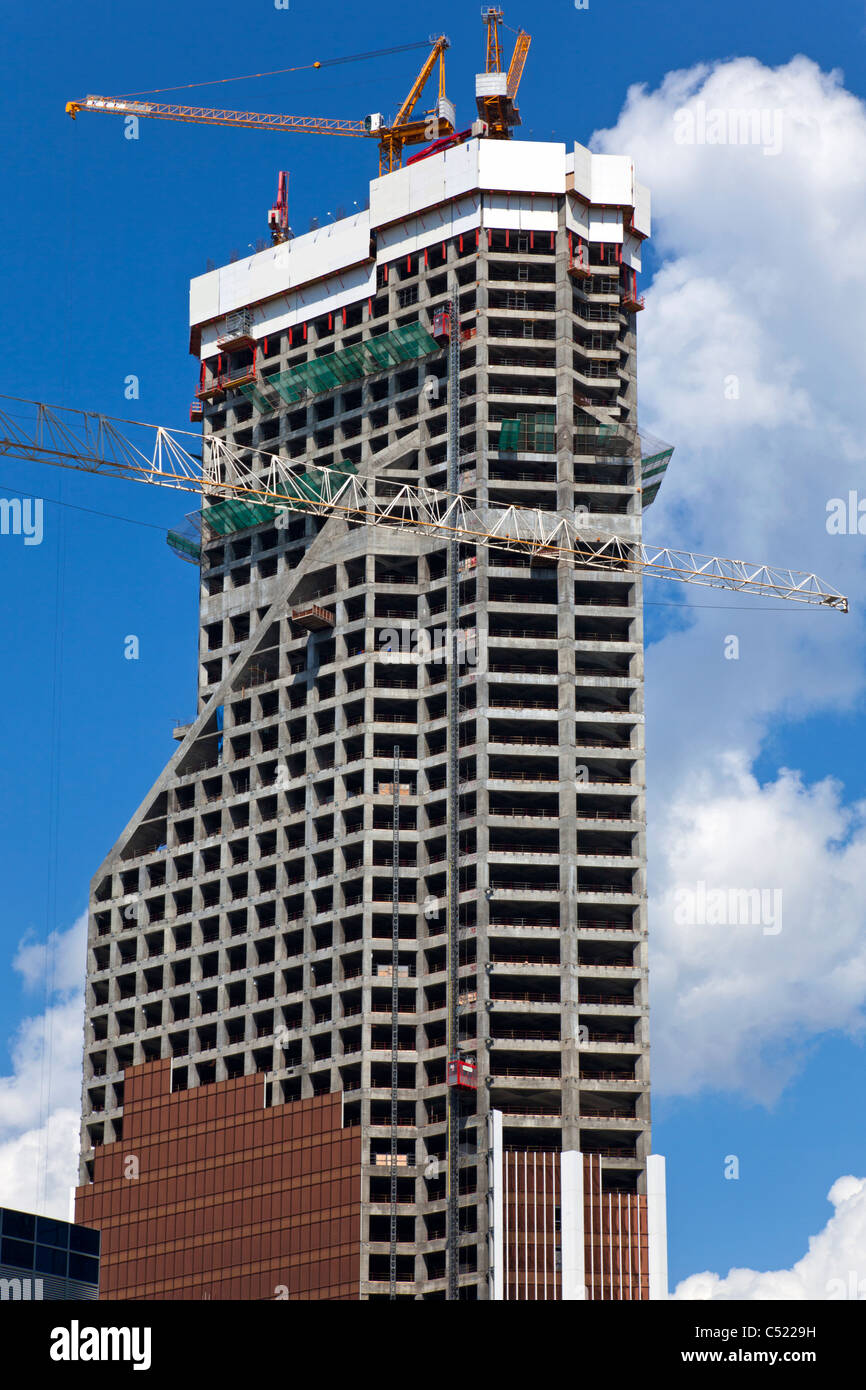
x=495 y=90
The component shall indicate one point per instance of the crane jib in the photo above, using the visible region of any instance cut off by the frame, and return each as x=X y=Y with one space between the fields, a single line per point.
x=161 y=457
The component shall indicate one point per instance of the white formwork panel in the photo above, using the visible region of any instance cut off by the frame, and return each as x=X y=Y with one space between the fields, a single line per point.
x=642 y=209
x=449 y=174
x=427 y=183
x=576 y=216
x=402 y=238
x=631 y=252
x=496 y=1206
x=501 y=210
x=613 y=180
x=204 y=297
x=466 y=214
x=329 y=249
x=296 y=306
x=520 y=211
x=208 y=346
x=255 y=278
x=462 y=171
x=271 y=272
x=605 y=224
x=389 y=197
x=428 y=227
x=582 y=170
x=326 y=296
x=530 y=166
x=539 y=214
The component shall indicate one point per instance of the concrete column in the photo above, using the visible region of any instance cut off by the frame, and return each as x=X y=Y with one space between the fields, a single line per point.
x=657 y=1226
x=495 y=1208
x=571 y=1227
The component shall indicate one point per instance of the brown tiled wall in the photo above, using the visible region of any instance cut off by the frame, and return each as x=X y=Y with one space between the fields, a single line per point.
x=532 y=1236
x=615 y=1239
x=231 y=1200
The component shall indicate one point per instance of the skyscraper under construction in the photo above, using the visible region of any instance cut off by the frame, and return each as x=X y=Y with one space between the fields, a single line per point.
x=358 y=773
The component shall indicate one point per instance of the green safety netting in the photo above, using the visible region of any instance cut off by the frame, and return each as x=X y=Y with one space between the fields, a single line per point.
x=532 y=434
x=661 y=461
x=607 y=440
x=223 y=518
x=253 y=394
x=536 y=434
x=184 y=547
x=509 y=433
x=654 y=459
x=335 y=369
x=235 y=514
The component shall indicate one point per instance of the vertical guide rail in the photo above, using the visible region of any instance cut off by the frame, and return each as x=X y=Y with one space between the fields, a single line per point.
x=453 y=817
x=395 y=1010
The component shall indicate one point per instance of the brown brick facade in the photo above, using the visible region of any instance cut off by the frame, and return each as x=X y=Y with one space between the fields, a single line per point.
x=616 y=1239
x=531 y=1223
x=209 y=1194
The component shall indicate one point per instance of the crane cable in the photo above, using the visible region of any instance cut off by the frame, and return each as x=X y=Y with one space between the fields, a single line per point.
x=277 y=72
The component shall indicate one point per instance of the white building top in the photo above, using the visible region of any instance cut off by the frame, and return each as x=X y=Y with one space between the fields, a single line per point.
x=478 y=184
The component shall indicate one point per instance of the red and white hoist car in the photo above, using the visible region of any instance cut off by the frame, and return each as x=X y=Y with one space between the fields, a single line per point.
x=463 y=1074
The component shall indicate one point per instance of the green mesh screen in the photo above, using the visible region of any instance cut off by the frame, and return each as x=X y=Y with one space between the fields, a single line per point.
x=223 y=518
x=509 y=433
x=653 y=467
x=186 y=549
x=335 y=369
x=532 y=434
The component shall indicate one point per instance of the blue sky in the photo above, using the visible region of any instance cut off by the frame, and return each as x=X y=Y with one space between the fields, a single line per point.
x=101 y=236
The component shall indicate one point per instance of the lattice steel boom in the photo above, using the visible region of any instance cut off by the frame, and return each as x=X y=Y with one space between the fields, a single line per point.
x=153 y=454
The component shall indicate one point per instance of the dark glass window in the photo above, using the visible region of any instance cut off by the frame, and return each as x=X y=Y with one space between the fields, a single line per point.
x=51 y=1261
x=16 y=1252
x=83 y=1239
x=50 y=1232
x=19 y=1224
x=83 y=1269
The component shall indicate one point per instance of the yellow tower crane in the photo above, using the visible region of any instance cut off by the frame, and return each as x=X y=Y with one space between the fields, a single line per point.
x=495 y=96
x=404 y=130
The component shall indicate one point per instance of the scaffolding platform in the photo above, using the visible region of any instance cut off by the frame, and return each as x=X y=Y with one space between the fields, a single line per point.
x=312 y=617
x=239 y=332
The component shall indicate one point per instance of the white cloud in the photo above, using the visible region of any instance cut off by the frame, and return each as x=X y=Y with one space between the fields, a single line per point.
x=40 y=1100
x=834 y=1267
x=737 y=1004
x=39 y=1166
x=762 y=281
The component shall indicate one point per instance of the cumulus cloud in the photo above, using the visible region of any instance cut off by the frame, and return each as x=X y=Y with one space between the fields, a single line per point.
x=40 y=1099
x=762 y=281
x=751 y=360
x=742 y=983
x=834 y=1266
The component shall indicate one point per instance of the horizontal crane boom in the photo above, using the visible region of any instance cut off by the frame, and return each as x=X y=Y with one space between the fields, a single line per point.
x=212 y=115
x=152 y=454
